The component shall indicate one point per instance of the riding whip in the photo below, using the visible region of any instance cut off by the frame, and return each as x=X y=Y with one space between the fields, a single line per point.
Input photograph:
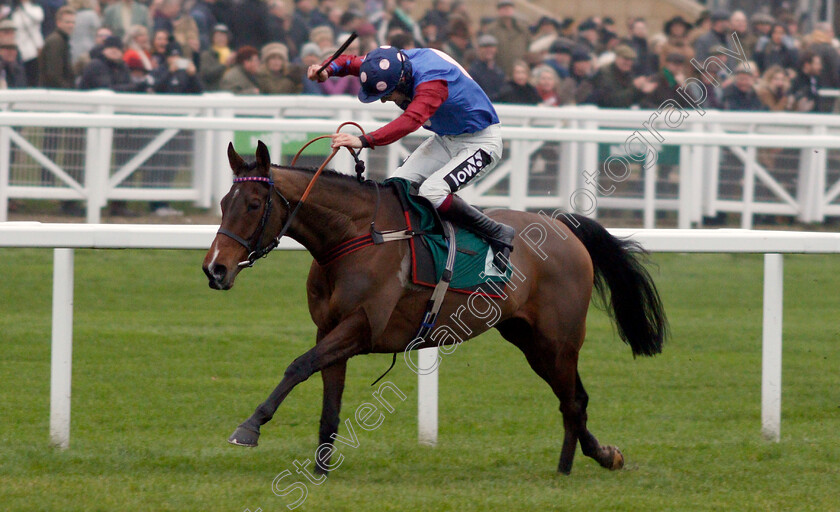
x=338 y=52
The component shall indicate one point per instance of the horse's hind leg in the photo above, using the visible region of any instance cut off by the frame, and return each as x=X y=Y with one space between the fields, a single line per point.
x=556 y=363
x=609 y=457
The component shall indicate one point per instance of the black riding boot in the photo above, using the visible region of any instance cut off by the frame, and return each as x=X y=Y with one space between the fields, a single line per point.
x=500 y=236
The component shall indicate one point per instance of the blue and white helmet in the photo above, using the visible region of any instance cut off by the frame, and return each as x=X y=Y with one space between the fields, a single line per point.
x=381 y=72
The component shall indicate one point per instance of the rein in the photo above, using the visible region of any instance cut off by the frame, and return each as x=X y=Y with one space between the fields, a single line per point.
x=254 y=250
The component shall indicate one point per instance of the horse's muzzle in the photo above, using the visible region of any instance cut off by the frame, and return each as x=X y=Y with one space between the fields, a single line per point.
x=217 y=275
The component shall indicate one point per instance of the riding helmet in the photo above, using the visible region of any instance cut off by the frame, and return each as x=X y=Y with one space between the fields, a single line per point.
x=383 y=70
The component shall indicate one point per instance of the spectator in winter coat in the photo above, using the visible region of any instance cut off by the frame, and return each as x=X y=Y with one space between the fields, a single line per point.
x=806 y=86
x=515 y=36
x=458 y=42
x=55 y=70
x=560 y=56
x=485 y=70
x=438 y=16
x=304 y=19
x=28 y=17
x=676 y=33
x=176 y=75
x=670 y=78
x=160 y=47
x=718 y=36
x=12 y=74
x=88 y=22
x=577 y=87
x=820 y=42
x=518 y=89
x=399 y=20
x=217 y=59
x=741 y=95
x=274 y=76
x=242 y=77
x=546 y=82
x=774 y=90
x=138 y=49
x=614 y=86
x=777 y=50
x=647 y=62
x=121 y=15
x=740 y=26
x=108 y=70
x=202 y=13
x=310 y=54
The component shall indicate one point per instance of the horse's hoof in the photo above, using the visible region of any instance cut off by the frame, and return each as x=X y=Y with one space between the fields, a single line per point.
x=244 y=436
x=616 y=457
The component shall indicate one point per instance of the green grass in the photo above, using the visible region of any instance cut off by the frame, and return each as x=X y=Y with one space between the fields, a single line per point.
x=164 y=368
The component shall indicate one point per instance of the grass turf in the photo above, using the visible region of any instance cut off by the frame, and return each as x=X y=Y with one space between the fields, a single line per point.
x=164 y=368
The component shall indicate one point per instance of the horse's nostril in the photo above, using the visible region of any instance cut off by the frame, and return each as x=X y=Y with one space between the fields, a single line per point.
x=219 y=272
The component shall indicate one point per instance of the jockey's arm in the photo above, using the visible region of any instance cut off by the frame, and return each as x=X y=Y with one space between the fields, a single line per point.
x=428 y=97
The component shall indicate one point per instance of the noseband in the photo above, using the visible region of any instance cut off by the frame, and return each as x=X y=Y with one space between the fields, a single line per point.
x=252 y=244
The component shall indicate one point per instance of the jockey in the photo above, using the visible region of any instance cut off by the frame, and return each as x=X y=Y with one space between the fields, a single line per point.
x=436 y=93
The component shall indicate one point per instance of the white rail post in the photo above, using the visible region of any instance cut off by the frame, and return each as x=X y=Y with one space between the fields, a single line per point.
x=819 y=168
x=62 y=348
x=5 y=172
x=204 y=163
x=749 y=189
x=519 y=175
x=710 y=165
x=567 y=176
x=650 y=170
x=427 y=396
x=223 y=178
x=771 y=352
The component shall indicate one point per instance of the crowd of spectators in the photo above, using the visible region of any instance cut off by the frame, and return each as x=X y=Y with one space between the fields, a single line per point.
x=761 y=61
x=264 y=47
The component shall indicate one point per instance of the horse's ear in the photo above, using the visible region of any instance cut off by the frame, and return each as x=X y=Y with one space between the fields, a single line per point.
x=263 y=159
x=236 y=161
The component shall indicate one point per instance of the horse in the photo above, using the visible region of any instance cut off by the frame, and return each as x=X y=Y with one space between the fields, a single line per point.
x=364 y=302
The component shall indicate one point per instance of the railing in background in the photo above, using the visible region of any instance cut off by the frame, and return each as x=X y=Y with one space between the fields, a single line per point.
x=65 y=237
x=101 y=146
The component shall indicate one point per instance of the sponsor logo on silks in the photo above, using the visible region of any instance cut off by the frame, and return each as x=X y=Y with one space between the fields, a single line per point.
x=467 y=170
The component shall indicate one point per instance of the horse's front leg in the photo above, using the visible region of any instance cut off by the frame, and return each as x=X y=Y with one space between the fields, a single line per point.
x=349 y=338
x=333 y=378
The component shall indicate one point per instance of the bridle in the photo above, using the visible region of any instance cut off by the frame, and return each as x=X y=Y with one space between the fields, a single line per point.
x=252 y=244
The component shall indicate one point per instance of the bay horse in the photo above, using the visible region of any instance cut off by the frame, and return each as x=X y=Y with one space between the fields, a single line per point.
x=365 y=303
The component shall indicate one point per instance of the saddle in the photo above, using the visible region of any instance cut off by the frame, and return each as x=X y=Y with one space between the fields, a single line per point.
x=473 y=272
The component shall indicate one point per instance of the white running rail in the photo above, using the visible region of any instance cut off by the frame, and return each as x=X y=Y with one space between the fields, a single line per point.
x=64 y=238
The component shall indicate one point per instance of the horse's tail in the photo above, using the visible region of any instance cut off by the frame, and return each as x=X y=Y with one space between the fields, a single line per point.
x=634 y=301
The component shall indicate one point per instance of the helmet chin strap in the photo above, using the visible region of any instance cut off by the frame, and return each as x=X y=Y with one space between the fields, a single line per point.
x=404 y=83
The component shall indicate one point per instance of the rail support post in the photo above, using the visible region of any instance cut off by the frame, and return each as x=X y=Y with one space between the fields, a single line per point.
x=62 y=348
x=771 y=357
x=427 y=396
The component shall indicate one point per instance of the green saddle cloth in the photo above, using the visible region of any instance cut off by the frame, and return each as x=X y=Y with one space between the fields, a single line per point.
x=473 y=259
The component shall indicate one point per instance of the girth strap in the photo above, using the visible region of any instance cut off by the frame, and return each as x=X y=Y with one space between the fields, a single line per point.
x=373 y=238
x=436 y=300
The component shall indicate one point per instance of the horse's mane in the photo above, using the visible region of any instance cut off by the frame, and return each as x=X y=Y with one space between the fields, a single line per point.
x=330 y=174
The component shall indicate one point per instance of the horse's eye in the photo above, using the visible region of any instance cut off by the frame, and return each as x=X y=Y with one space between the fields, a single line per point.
x=253 y=206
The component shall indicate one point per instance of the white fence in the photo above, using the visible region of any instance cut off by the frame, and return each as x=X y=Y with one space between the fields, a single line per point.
x=748 y=163
x=66 y=237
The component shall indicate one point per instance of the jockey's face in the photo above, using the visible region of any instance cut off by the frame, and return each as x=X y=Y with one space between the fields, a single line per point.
x=397 y=97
